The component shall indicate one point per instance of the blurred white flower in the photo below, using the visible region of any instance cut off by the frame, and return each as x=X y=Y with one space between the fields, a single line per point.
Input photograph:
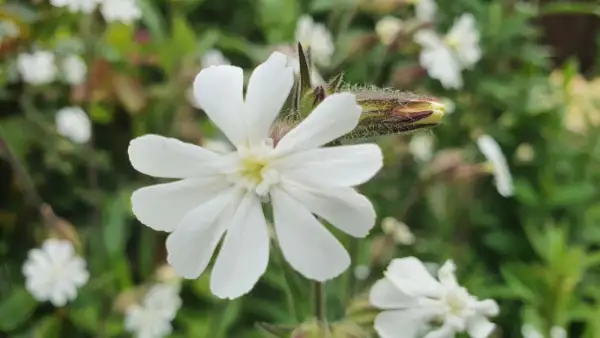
x=166 y=274
x=413 y=300
x=74 y=69
x=399 y=231
x=529 y=331
x=37 y=68
x=74 y=124
x=214 y=57
x=221 y=195
x=361 y=272
x=445 y=58
x=84 y=6
x=421 y=147
x=152 y=318
x=558 y=332
x=125 y=11
x=448 y=104
x=54 y=272
x=493 y=153
x=387 y=29
x=425 y=10
x=316 y=37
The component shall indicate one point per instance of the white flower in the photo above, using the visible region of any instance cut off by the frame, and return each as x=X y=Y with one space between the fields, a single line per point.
x=84 y=6
x=316 y=37
x=37 y=68
x=421 y=147
x=152 y=318
x=491 y=150
x=529 y=331
x=221 y=195
x=362 y=272
x=74 y=69
x=413 y=300
x=125 y=11
x=448 y=104
x=217 y=146
x=558 y=332
x=74 y=124
x=54 y=272
x=214 y=57
x=425 y=10
x=445 y=58
x=399 y=231
x=387 y=29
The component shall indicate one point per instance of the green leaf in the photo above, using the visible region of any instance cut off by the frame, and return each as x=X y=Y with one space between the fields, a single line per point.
x=575 y=194
x=15 y=309
x=115 y=230
x=49 y=327
x=120 y=36
x=570 y=8
x=278 y=19
x=153 y=20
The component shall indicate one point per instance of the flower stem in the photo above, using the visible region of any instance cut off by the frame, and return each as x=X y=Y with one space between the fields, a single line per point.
x=287 y=288
x=319 y=294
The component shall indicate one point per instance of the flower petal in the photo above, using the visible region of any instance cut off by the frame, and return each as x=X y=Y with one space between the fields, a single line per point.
x=244 y=255
x=399 y=323
x=344 y=208
x=334 y=166
x=385 y=295
x=306 y=244
x=492 y=151
x=480 y=327
x=336 y=116
x=192 y=244
x=412 y=277
x=219 y=91
x=445 y=331
x=162 y=206
x=160 y=156
x=268 y=89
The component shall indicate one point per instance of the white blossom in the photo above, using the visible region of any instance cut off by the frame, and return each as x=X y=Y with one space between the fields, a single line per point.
x=421 y=147
x=152 y=318
x=217 y=146
x=74 y=124
x=445 y=58
x=412 y=301
x=316 y=37
x=529 y=331
x=387 y=29
x=221 y=195
x=84 y=6
x=558 y=332
x=399 y=231
x=362 y=272
x=37 y=68
x=214 y=57
x=54 y=272
x=425 y=10
x=74 y=69
x=125 y=11
x=493 y=153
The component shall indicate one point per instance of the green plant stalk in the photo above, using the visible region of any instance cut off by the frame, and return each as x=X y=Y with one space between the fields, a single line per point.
x=287 y=289
x=319 y=304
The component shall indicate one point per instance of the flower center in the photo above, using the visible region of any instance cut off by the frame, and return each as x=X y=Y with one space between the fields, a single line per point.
x=254 y=171
x=457 y=302
x=452 y=42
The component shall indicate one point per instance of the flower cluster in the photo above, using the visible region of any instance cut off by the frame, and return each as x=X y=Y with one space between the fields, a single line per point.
x=152 y=317
x=125 y=11
x=41 y=67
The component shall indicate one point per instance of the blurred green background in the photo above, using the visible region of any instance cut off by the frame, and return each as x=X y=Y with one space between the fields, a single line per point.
x=535 y=91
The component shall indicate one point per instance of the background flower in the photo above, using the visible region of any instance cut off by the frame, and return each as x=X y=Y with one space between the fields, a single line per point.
x=74 y=124
x=37 y=68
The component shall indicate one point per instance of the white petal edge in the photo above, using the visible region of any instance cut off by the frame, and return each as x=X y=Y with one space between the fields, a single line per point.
x=445 y=331
x=306 y=244
x=162 y=206
x=219 y=92
x=344 y=208
x=160 y=156
x=389 y=324
x=244 y=255
x=480 y=327
x=192 y=245
x=385 y=295
x=412 y=277
x=333 y=166
x=336 y=116
x=493 y=153
x=268 y=89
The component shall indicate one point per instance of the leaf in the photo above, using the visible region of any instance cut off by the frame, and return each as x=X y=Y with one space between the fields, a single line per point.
x=570 y=8
x=120 y=36
x=48 y=327
x=16 y=309
x=574 y=194
x=153 y=20
x=115 y=231
x=278 y=19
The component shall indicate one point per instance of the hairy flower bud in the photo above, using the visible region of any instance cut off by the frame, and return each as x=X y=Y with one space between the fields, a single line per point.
x=387 y=112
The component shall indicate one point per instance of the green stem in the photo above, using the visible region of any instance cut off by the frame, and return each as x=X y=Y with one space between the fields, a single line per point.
x=350 y=284
x=319 y=294
x=287 y=288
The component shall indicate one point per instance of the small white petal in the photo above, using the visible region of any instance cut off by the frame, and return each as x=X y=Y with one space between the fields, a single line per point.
x=214 y=57
x=306 y=244
x=162 y=206
x=558 y=332
x=385 y=295
x=344 y=208
x=425 y=10
x=412 y=277
x=244 y=255
x=438 y=60
x=480 y=327
x=74 y=124
x=491 y=150
x=399 y=323
x=446 y=274
x=466 y=35
x=192 y=244
x=336 y=116
x=445 y=331
x=219 y=91
x=268 y=89
x=160 y=156
x=333 y=166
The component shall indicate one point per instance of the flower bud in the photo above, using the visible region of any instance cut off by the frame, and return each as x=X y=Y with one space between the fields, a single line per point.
x=387 y=29
x=387 y=112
